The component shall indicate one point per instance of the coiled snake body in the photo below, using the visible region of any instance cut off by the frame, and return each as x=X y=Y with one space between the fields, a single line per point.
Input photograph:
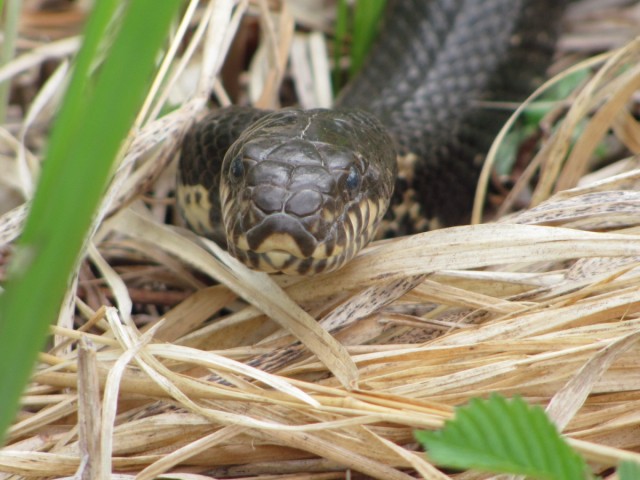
x=301 y=192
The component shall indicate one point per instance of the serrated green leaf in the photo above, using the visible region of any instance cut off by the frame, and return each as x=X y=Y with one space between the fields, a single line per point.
x=629 y=471
x=504 y=436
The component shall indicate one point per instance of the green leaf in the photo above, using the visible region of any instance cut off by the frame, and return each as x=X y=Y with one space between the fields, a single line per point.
x=629 y=471
x=365 y=28
x=340 y=41
x=112 y=73
x=562 y=90
x=504 y=436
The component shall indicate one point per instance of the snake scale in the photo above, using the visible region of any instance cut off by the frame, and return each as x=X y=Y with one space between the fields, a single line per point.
x=300 y=192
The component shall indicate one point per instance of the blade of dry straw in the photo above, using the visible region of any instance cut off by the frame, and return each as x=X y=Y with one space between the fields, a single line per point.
x=193 y=448
x=257 y=288
x=457 y=248
x=565 y=404
x=483 y=180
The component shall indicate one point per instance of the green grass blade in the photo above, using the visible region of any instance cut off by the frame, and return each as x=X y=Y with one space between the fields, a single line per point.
x=99 y=108
x=504 y=436
x=340 y=42
x=629 y=471
x=361 y=26
x=365 y=28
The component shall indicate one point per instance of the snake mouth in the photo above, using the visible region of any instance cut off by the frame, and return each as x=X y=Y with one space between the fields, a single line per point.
x=283 y=244
x=279 y=232
x=282 y=261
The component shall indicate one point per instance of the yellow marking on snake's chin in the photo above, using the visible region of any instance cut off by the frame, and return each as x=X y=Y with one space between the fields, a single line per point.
x=278 y=242
x=277 y=260
x=279 y=252
x=195 y=207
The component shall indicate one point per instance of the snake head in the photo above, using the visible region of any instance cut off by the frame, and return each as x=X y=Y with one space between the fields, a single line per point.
x=302 y=191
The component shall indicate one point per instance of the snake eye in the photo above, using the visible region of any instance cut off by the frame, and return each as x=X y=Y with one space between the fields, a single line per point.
x=353 y=179
x=236 y=169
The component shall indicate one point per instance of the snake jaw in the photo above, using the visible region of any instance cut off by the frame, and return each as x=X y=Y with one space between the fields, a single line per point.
x=281 y=252
x=279 y=232
x=280 y=243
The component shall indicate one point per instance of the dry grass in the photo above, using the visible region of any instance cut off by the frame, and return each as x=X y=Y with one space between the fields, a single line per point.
x=543 y=303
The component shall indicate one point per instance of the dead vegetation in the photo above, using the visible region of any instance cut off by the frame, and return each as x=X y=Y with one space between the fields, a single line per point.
x=169 y=356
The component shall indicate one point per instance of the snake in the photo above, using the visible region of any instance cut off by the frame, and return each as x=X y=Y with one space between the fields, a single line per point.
x=301 y=192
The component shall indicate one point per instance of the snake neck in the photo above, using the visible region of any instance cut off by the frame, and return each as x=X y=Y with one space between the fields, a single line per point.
x=435 y=69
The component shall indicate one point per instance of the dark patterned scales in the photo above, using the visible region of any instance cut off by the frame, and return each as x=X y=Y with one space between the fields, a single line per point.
x=302 y=192
x=298 y=193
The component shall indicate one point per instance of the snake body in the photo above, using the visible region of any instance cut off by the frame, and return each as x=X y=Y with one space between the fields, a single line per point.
x=301 y=192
